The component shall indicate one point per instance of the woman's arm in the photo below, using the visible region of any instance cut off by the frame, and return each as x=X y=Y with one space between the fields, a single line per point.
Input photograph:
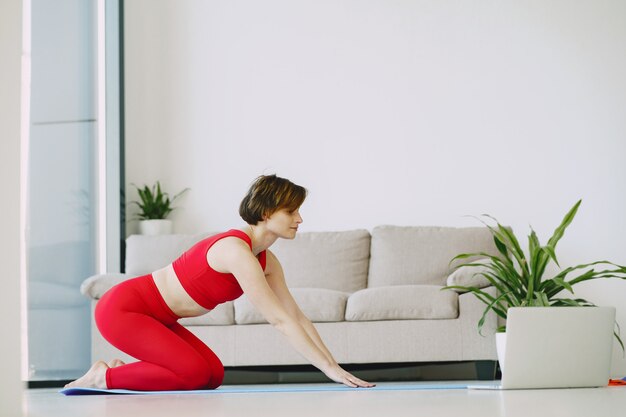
x=276 y=281
x=234 y=256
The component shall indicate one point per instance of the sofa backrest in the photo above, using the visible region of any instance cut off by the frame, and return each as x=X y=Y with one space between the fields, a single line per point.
x=145 y=254
x=332 y=260
x=344 y=261
x=421 y=254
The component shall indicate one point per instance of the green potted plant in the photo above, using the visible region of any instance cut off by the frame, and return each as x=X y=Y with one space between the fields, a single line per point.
x=519 y=278
x=154 y=207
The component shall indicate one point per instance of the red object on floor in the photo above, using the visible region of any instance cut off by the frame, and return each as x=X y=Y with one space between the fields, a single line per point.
x=616 y=382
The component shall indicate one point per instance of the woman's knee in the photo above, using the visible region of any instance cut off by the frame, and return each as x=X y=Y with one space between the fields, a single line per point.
x=217 y=376
x=210 y=376
x=201 y=375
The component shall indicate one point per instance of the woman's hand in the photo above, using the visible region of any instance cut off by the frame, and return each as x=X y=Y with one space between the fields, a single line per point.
x=338 y=374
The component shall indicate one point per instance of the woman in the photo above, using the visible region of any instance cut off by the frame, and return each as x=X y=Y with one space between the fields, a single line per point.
x=140 y=316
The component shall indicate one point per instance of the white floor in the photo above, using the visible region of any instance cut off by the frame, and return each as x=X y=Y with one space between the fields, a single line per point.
x=593 y=402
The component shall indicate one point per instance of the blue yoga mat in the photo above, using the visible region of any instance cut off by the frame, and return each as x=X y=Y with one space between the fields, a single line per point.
x=267 y=388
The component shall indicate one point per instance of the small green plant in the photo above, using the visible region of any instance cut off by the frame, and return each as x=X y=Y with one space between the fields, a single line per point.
x=519 y=279
x=154 y=203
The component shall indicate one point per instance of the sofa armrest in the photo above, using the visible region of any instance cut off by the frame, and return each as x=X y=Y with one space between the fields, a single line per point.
x=95 y=286
x=470 y=276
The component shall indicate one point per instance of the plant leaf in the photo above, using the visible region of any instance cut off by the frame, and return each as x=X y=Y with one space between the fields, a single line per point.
x=508 y=238
x=500 y=246
x=154 y=203
x=560 y=230
x=564 y=284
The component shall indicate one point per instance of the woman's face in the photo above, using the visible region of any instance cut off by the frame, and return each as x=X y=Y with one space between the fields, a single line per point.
x=284 y=223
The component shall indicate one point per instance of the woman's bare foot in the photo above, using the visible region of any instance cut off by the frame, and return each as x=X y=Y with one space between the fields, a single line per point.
x=115 y=363
x=94 y=378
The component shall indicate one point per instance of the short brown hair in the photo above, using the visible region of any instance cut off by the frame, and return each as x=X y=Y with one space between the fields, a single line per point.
x=268 y=194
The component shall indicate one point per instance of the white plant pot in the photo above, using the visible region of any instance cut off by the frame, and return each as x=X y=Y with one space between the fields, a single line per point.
x=501 y=348
x=155 y=227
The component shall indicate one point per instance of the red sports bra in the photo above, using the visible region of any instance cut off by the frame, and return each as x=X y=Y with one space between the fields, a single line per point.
x=204 y=284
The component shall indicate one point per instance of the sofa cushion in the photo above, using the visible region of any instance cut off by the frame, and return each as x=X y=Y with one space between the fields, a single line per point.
x=318 y=304
x=332 y=260
x=221 y=315
x=402 y=302
x=470 y=276
x=421 y=255
x=146 y=254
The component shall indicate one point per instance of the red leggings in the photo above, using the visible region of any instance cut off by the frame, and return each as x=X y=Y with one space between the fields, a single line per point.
x=133 y=317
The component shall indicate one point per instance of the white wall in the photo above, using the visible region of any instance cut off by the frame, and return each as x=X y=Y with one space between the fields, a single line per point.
x=396 y=112
x=10 y=82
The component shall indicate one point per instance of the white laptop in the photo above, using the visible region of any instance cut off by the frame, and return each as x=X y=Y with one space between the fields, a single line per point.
x=557 y=347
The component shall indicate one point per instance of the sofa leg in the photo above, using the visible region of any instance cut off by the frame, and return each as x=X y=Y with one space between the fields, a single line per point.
x=486 y=370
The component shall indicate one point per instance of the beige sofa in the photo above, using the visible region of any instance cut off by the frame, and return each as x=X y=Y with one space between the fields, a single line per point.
x=374 y=297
